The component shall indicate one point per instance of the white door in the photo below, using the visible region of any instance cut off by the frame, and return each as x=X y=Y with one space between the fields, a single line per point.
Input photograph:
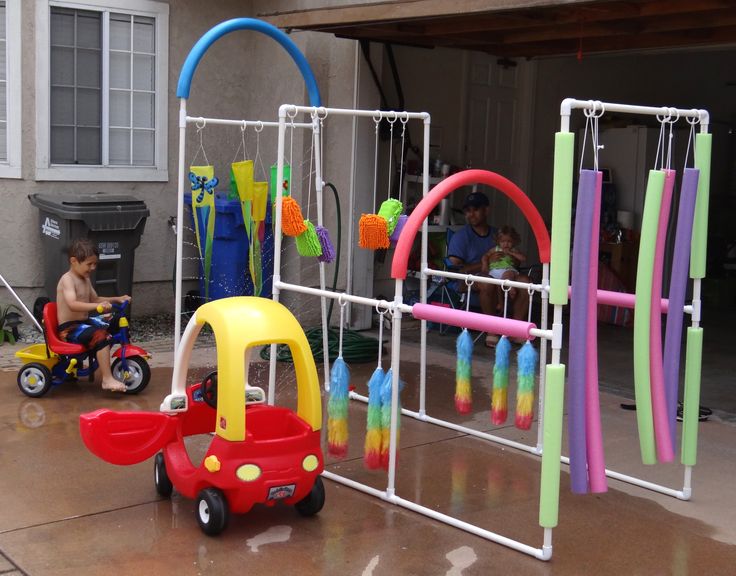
x=499 y=124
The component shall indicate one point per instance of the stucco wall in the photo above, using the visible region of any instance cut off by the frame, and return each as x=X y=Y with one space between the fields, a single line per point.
x=243 y=75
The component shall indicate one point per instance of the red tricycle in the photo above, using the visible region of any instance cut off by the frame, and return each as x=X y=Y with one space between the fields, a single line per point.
x=55 y=361
x=278 y=458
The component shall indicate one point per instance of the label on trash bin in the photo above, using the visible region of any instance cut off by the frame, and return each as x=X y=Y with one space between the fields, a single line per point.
x=50 y=227
x=109 y=250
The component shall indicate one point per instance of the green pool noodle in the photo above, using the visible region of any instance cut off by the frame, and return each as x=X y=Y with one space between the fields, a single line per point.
x=642 y=313
x=699 y=246
x=691 y=403
x=549 y=497
x=561 y=216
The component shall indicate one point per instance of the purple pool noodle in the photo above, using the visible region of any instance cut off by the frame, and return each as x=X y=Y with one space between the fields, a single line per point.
x=398 y=228
x=578 y=332
x=593 y=434
x=678 y=285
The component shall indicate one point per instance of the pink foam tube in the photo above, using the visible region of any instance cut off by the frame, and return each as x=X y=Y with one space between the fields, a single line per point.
x=678 y=285
x=662 y=436
x=593 y=433
x=473 y=320
x=626 y=300
x=578 y=332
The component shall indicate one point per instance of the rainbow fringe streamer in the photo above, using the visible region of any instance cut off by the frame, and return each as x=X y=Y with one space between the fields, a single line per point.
x=463 y=374
x=307 y=243
x=526 y=358
x=337 y=409
x=374 y=432
x=386 y=417
x=499 y=395
x=328 y=250
x=292 y=220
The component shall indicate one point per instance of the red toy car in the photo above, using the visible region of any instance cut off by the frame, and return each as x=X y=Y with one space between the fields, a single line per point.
x=277 y=458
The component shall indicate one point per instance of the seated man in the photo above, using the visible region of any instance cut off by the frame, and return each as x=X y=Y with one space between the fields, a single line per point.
x=467 y=249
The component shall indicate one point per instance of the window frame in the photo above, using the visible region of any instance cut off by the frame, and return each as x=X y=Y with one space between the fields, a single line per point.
x=112 y=173
x=11 y=168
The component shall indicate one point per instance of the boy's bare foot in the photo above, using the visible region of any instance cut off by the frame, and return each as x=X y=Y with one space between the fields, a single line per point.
x=113 y=385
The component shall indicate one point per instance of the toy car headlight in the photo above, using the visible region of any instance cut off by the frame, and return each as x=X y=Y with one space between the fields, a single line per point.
x=310 y=463
x=248 y=472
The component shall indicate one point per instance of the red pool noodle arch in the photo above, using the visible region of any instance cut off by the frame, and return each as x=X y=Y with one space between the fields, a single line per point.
x=450 y=184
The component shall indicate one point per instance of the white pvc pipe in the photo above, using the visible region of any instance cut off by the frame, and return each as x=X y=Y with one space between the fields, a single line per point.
x=292 y=109
x=180 y=221
x=241 y=123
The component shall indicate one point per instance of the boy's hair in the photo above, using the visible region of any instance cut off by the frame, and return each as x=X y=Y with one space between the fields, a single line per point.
x=508 y=231
x=82 y=248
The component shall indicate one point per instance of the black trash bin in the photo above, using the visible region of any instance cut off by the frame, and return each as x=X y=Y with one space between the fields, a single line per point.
x=114 y=222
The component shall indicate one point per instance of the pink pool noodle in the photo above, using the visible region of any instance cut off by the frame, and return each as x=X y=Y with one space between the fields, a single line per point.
x=473 y=320
x=593 y=434
x=624 y=300
x=678 y=285
x=449 y=185
x=576 y=403
x=662 y=436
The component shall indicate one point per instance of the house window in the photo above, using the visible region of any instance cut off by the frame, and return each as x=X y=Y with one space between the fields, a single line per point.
x=10 y=85
x=106 y=101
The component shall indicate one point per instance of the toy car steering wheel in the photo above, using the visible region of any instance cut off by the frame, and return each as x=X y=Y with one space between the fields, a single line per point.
x=209 y=389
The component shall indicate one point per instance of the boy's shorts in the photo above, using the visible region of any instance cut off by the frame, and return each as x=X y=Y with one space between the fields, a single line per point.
x=91 y=333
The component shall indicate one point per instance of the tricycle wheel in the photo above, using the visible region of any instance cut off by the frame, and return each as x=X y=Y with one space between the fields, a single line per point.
x=212 y=511
x=34 y=380
x=314 y=501
x=137 y=376
x=164 y=487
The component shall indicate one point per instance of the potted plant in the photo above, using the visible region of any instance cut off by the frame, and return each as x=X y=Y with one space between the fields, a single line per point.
x=9 y=320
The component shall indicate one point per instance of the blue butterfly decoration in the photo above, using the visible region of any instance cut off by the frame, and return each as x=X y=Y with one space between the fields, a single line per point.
x=203 y=184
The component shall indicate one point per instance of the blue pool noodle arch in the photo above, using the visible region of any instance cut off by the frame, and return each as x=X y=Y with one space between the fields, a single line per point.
x=198 y=50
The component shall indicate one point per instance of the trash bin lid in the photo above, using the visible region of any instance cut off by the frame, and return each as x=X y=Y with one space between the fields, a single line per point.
x=98 y=211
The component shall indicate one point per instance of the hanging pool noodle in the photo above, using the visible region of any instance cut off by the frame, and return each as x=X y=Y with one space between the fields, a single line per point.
x=549 y=484
x=700 y=223
x=662 y=435
x=642 y=315
x=561 y=214
x=593 y=434
x=678 y=287
x=579 y=332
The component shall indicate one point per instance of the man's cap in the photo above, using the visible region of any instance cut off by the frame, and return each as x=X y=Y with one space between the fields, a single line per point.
x=475 y=200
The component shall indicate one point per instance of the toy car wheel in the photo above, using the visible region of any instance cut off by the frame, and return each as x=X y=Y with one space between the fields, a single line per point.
x=164 y=487
x=314 y=501
x=34 y=380
x=212 y=511
x=137 y=376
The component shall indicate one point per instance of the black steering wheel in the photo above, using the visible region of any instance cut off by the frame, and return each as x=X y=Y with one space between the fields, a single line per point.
x=209 y=389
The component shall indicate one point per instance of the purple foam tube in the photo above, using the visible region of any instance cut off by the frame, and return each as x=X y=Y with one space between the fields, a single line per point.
x=578 y=332
x=678 y=285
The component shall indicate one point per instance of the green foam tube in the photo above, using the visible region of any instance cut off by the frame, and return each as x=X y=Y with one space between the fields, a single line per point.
x=691 y=404
x=549 y=497
x=703 y=144
x=642 y=313
x=561 y=216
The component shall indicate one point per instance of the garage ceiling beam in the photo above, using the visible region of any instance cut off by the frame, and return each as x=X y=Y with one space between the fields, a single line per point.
x=526 y=27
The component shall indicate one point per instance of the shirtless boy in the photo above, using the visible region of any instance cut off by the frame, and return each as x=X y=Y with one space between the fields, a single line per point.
x=75 y=299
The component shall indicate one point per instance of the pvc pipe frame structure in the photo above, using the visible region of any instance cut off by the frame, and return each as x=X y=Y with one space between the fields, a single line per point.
x=397 y=308
x=560 y=247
